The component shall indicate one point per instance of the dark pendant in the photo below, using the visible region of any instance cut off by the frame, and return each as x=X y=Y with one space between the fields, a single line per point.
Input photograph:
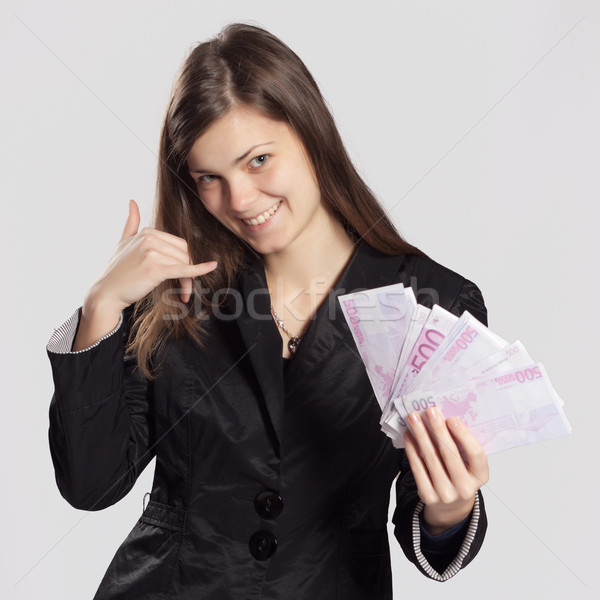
x=293 y=344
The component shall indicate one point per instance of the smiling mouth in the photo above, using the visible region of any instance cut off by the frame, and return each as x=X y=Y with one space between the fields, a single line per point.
x=263 y=217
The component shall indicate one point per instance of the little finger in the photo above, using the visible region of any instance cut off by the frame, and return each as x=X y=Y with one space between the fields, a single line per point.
x=166 y=237
x=177 y=271
x=153 y=245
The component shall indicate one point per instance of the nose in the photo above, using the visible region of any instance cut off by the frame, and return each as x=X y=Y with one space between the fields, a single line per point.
x=242 y=194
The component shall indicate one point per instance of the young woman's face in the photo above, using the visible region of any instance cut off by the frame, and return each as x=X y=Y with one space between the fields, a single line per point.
x=253 y=175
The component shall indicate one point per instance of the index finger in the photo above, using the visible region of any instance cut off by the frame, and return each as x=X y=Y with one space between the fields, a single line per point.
x=164 y=236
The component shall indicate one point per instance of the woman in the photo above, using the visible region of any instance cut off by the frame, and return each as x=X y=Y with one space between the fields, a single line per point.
x=214 y=342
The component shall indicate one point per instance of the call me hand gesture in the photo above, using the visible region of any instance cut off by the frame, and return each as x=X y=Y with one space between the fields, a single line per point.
x=141 y=261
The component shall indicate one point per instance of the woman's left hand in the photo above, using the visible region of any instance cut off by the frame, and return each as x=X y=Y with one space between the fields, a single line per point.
x=446 y=483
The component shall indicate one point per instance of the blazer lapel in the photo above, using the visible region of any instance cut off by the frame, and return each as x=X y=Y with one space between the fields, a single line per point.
x=263 y=343
x=368 y=268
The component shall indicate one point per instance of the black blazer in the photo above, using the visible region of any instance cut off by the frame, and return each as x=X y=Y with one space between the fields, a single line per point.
x=266 y=485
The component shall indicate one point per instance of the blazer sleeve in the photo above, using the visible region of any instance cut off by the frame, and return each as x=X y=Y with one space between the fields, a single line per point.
x=443 y=565
x=100 y=427
x=470 y=298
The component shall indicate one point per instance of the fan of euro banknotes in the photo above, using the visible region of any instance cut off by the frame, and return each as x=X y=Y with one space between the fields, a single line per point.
x=417 y=357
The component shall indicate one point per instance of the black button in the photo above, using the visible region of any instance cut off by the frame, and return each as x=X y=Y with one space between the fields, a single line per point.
x=262 y=545
x=268 y=505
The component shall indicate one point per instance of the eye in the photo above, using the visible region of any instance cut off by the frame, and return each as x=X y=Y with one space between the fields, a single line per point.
x=206 y=178
x=258 y=161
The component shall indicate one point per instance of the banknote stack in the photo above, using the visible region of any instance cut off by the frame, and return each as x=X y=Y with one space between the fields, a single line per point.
x=418 y=357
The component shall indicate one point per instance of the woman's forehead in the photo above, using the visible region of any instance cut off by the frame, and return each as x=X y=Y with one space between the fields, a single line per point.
x=235 y=133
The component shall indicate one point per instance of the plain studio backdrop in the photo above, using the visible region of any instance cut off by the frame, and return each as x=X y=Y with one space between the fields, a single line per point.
x=476 y=124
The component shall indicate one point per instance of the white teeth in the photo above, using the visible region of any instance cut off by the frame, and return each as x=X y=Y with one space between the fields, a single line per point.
x=264 y=217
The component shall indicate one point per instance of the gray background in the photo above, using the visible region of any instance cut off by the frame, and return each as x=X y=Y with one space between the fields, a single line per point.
x=477 y=125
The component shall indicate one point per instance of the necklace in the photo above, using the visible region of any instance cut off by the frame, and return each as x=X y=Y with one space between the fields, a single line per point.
x=294 y=340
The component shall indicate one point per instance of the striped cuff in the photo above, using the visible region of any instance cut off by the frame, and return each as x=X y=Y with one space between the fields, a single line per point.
x=454 y=567
x=61 y=341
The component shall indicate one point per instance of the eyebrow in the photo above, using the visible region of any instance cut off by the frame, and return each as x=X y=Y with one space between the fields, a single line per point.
x=238 y=160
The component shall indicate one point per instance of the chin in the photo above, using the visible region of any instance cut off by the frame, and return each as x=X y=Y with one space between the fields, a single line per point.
x=265 y=247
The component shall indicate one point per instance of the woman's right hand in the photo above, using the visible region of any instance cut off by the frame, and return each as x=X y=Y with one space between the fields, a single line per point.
x=141 y=261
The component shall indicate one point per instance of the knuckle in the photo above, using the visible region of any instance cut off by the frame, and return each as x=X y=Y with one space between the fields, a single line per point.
x=448 y=496
x=149 y=236
x=146 y=242
x=150 y=253
x=465 y=492
x=427 y=497
x=479 y=454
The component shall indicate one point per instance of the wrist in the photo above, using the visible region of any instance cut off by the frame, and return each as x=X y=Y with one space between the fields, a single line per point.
x=98 y=306
x=99 y=317
x=439 y=518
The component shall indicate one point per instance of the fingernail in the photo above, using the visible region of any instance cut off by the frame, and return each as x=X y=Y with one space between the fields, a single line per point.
x=432 y=414
x=414 y=418
x=454 y=422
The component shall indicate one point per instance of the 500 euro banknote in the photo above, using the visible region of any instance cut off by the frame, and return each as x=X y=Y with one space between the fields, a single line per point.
x=508 y=410
x=378 y=320
x=459 y=362
x=509 y=358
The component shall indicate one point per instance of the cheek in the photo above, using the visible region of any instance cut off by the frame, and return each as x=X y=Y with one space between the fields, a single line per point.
x=219 y=215
x=295 y=185
x=277 y=182
x=211 y=199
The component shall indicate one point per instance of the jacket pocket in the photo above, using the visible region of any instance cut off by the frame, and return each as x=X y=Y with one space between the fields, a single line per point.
x=144 y=563
x=364 y=570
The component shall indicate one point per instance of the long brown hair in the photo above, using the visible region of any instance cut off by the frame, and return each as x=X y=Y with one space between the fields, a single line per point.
x=244 y=65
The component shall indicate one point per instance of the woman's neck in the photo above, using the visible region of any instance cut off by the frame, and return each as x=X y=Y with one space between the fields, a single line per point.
x=302 y=275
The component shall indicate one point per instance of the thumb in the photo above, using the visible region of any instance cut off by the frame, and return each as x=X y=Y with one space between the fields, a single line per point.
x=133 y=221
